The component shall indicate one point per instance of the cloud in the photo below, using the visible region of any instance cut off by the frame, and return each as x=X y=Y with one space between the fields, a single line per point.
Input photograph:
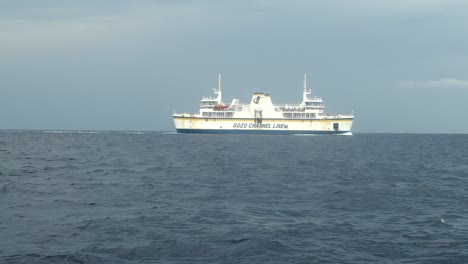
x=445 y=83
x=60 y=25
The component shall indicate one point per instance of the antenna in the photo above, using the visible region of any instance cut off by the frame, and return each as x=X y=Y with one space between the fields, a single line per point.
x=305 y=82
x=219 y=82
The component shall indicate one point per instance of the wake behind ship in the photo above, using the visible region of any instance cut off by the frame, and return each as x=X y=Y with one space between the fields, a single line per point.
x=261 y=116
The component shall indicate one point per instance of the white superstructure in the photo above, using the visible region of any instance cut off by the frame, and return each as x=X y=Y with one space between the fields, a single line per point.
x=262 y=116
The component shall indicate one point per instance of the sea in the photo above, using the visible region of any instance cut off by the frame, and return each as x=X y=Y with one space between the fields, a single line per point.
x=162 y=197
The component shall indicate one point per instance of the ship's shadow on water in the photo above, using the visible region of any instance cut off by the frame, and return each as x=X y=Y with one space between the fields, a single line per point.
x=148 y=197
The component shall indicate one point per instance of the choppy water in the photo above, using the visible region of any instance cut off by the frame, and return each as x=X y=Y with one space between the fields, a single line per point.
x=122 y=197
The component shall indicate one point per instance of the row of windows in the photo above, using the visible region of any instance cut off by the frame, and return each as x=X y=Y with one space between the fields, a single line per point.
x=299 y=115
x=218 y=114
x=286 y=115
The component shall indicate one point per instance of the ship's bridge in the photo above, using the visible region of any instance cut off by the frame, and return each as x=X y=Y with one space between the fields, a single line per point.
x=314 y=103
x=311 y=104
x=212 y=102
x=208 y=102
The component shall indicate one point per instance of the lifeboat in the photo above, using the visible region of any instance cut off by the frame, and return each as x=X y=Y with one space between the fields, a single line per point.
x=221 y=107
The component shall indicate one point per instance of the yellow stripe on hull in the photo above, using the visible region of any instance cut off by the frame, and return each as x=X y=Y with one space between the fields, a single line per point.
x=335 y=124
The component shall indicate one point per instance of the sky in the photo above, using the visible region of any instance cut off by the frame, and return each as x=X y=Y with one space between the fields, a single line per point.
x=400 y=66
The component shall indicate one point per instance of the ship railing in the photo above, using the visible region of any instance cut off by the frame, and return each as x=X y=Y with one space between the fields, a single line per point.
x=289 y=108
x=314 y=108
x=314 y=116
x=314 y=98
x=229 y=109
x=339 y=116
x=204 y=98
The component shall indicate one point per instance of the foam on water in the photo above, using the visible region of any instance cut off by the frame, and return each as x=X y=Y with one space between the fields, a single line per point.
x=135 y=132
x=169 y=132
x=313 y=135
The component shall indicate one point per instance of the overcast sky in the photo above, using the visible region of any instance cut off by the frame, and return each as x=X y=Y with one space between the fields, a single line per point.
x=400 y=65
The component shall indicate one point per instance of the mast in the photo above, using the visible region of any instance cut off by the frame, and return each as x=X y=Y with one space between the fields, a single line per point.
x=304 y=96
x=219 y=98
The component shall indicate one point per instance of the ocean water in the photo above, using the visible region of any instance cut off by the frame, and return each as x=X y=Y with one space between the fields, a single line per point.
x=149 y=197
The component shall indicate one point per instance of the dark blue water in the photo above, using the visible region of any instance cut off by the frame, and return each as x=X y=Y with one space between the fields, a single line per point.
x=117 y=197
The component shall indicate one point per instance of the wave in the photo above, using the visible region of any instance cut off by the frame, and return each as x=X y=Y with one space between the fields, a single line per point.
x=59 y=258
x=73 y=132
x=134 y=132
x=169 y=133
x=314 y=135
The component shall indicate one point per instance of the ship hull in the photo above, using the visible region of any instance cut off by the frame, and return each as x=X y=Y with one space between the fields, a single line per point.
x=265 y=126
x=263 y=131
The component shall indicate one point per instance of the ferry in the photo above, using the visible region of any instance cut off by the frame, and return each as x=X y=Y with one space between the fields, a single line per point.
x=261 y=116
